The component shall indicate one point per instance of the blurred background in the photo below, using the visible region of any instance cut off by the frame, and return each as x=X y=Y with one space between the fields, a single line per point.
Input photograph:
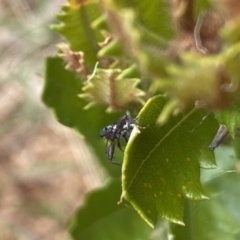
x=45 y=168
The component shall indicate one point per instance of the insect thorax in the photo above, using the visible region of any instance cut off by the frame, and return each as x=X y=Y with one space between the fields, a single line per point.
x=113 y=131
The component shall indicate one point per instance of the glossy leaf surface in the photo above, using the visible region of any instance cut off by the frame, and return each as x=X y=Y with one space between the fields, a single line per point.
x=101 y=218
x=162 y=164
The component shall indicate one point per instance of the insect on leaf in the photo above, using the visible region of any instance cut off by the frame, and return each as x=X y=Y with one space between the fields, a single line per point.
x=162 y=163
x=60 y=95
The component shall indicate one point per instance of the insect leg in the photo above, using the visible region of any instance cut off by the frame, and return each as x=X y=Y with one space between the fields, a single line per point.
x=119 y=145
x=106 y=148
x=110 y=150
x=110 y=153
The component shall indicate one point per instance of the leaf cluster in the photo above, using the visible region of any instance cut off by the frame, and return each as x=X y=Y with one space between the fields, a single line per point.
x=176 y=64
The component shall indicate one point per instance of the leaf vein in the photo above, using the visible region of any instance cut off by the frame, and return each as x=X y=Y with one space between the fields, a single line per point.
x=159 y=143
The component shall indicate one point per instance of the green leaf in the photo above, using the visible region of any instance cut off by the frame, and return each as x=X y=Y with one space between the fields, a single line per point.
x=61 y=95
x=230 y=117
x=206 y=220
x=113 y=49
x=152 y=15
x=236 y=145
x=106 y=88
x=201 y=7
x=181 y=79
x=225 y=181
x=161 y=164
x=217 y=218
x=101 y=218
x=139 y=42
x=75 y=26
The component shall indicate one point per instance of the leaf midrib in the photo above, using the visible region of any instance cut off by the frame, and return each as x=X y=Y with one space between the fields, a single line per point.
x=159 y=143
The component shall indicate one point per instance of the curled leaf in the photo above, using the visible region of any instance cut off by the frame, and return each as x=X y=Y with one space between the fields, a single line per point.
x=74 y=60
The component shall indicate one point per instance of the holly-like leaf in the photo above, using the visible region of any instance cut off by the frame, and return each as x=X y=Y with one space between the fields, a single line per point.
x=162 y=164
x=203 y=218
x=75 y=25
x=105 y=87
x=152 y=15
x=60 y=94
x=139 y=42
x=101 y=218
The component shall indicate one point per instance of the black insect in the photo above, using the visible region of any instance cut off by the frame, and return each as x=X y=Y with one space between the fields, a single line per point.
x=115 y=132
